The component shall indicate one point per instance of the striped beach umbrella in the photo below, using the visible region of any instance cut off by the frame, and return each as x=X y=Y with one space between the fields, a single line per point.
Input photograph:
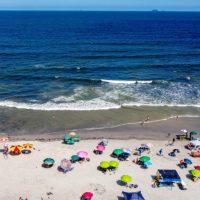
x=16 y=148
x=27 y=146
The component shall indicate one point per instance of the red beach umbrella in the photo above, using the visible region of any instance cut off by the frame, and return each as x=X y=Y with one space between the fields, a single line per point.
x=87 y=195
x=197 y=167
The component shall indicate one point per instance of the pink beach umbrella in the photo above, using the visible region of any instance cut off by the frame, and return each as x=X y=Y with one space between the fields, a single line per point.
x=82 y=154
x=100 y=147
x=197 y=167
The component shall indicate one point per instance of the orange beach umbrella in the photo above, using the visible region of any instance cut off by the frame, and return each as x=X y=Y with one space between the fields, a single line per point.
x=27 y=146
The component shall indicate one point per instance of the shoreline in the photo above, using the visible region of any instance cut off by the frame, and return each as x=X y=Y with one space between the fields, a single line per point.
x=152 y=130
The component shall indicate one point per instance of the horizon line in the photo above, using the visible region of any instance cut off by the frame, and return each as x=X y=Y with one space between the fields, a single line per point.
x=80 y=10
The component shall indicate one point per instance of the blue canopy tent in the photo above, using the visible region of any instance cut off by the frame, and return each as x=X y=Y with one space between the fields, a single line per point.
x=133 y=195
x=168 y=176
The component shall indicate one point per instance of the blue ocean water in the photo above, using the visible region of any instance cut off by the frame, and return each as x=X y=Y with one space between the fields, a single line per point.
x=99 y=60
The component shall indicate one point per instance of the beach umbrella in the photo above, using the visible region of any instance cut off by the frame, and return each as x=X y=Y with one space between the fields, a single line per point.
x=126 y=178
x=104 y=164
x=48 y=161
x=72 y=134
x=82 y=154
x=197 y=167
x=114 y=163
x=187 y=161
x=71 y=141
x=65 y=164
x=148 y=163
x=195 y=173
x=74 y=158
x=87 y=195
x=66 y=137
x=16 y=148
x=76 y=138
x=118 y=151
x=194 y=133
x=144 y=158
x=27 y=146
x=100 y=147
x=125 y=154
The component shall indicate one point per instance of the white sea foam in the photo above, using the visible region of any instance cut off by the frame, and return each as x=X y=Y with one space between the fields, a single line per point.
x=95 y=104
x=79 y=105
x=126 y=82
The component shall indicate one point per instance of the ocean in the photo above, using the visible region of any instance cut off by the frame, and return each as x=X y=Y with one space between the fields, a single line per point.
x=73 y=70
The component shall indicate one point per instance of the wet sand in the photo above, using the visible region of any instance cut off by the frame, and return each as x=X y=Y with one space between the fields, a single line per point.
x=158 y=130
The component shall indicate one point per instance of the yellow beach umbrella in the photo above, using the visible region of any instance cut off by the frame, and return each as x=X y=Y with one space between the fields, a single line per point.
x=195 y=173
x=126 y=178
x=104 y=164
x=27 y=146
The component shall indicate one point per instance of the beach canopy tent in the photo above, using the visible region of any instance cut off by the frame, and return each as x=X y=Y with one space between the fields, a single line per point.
x=27 y=146
x=133 y=195
x=168 y=176
x=193 y=134
x=195 y=143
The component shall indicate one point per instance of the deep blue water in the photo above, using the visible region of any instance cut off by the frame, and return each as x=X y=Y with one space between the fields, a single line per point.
x=71 y=60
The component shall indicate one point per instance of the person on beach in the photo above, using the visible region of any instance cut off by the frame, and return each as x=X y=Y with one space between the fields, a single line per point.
x=173 y=141
x=161 y=152
x=5 y=152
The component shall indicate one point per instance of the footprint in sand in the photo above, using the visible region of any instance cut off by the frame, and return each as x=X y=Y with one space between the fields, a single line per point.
x=99 y=189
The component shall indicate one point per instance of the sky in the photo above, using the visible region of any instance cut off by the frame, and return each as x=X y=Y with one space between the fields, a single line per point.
x=112 y=5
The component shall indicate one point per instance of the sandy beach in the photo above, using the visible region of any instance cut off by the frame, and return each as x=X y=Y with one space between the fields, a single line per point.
x=24 y=176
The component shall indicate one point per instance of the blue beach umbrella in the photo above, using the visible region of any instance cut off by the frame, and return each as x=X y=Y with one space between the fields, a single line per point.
x=148 y=163
x=187 y=161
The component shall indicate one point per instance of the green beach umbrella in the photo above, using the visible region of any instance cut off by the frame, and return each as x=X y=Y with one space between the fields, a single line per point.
x=104 y=164
x=118 y=151
x=67 y=137
x=195 y=173
x=77 y=138
x=48 y=161
x=74 y=158
x=194 y=133
x=126 y=178
x=71 y=141
x=145 y=158
x=114 y=163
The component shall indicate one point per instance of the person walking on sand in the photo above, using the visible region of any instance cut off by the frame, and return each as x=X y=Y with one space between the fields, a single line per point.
x=161 y=152
x=173 y=141
x=5 y=152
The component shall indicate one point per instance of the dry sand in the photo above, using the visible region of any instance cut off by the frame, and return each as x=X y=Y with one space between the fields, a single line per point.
x=23 y=175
